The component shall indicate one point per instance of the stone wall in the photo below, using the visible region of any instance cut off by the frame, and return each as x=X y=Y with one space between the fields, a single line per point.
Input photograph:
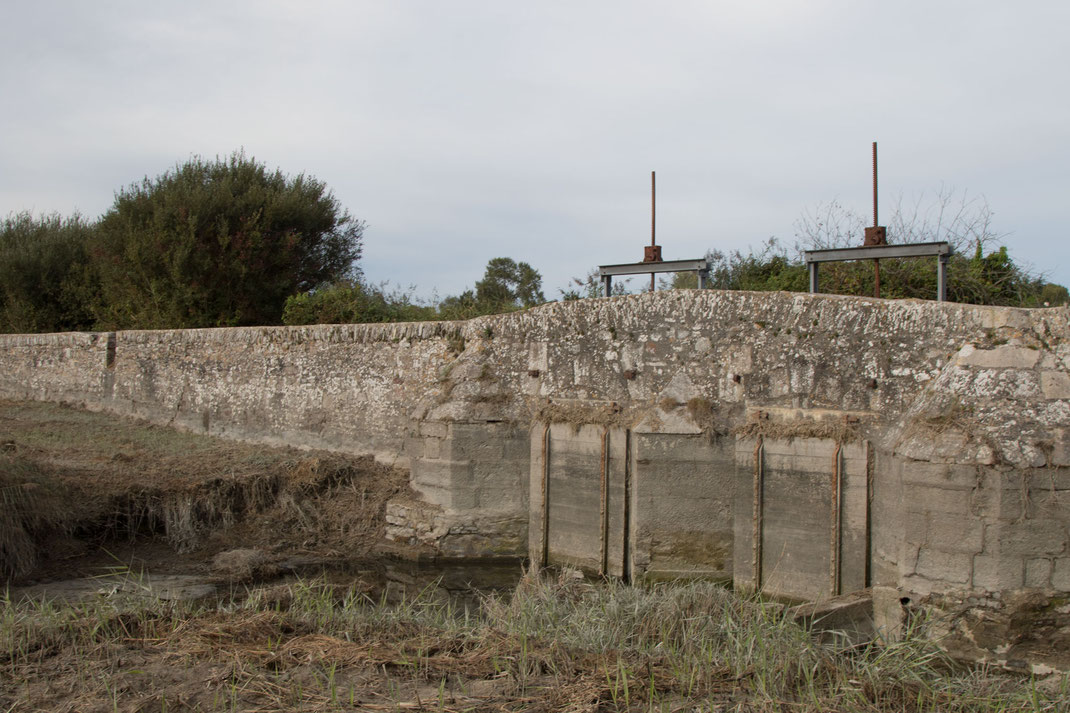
x=951 y=424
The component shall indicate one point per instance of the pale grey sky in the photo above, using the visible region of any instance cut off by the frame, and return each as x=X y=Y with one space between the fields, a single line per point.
x=463 y=130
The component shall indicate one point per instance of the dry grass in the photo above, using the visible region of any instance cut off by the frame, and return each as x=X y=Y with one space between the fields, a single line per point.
x=581 y=413
x=555 y=645
x=32 y=505
x=839 y=430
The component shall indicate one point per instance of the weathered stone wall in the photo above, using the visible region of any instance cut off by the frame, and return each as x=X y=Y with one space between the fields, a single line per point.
x=347 y=387
x=962 y=413
x=982 y=454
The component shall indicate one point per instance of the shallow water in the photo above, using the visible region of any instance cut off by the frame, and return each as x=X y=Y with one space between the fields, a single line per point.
x=461 y=581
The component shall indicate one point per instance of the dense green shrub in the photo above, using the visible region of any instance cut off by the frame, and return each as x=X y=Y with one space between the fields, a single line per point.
x=351 y=302
x=43 y=273
x=214 y=243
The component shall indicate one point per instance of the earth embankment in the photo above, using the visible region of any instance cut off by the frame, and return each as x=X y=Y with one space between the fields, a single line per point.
x=81 y=489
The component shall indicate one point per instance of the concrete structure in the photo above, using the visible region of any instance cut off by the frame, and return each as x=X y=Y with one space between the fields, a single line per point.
x=807 y=445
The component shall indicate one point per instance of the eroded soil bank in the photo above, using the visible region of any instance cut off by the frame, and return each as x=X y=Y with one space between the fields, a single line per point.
x=88 y=493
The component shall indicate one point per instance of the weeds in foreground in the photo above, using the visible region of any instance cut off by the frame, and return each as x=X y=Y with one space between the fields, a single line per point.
x=554 y=644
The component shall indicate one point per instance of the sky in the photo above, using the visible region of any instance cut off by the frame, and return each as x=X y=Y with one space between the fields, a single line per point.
x=464 y=130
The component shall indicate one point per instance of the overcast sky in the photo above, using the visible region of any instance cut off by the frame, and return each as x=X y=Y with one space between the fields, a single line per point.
x=461 y=131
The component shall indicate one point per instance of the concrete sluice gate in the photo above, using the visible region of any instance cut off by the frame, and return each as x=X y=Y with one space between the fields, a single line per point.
x=806 y=446
x=788 y=517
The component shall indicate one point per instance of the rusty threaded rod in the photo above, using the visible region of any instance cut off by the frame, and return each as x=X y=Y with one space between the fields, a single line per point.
x=653 y=209
x=875 y=223
x=653 y=215
x=876 y=263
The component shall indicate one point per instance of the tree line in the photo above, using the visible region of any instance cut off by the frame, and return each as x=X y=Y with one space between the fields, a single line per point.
x=227 y=242
x=216 y=243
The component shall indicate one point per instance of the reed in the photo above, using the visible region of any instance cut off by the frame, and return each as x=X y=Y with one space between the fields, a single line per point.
x=556 y=643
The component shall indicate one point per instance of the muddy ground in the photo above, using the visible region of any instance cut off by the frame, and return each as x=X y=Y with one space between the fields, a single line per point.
x=87 y=492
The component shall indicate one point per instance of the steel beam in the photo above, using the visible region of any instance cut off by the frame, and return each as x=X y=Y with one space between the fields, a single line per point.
x=645 y=268
x=942 y=250
x=877 y=252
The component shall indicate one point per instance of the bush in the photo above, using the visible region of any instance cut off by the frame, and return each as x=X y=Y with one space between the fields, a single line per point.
x=218 y=243
x=350 y=302
x=42 y=266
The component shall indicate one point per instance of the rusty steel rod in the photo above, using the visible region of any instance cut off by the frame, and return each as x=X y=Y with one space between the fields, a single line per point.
x=625 y=527
x=835 y=544
x=876 y=262
x=544 y=555
x=756 y=522
x=603 y=555
x=875 y=222
x=653 y=215
x=868 y=580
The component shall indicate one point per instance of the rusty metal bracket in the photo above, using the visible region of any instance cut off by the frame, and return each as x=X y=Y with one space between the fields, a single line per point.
x=544 y=555
x=756 y=520
x=836 y=539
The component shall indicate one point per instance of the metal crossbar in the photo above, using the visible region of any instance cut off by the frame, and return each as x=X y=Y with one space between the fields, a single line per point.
x=941 y=250
x=606 y=272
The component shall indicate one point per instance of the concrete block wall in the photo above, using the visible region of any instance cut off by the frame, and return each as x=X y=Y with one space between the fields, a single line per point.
x=982 y=528
x=980 y=460
x=802 y=516
x=471 y=482
x=683 y=492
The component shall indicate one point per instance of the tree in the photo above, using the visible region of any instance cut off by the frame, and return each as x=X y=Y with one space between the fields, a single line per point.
x=508 y=284
x=218 y=243
x=590 y=285
x=42 y=264
x=770 y=268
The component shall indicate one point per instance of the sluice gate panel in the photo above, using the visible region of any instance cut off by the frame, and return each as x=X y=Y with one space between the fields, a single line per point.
x=579 y=497
x=802 y=514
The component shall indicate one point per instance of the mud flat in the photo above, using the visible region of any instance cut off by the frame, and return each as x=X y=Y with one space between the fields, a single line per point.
x=84 y=493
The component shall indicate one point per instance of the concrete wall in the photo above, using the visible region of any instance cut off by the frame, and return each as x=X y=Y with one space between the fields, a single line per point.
x=683 y=491
x=962 y=413
x=802 y=524
x=981 y=461
x=580 y=497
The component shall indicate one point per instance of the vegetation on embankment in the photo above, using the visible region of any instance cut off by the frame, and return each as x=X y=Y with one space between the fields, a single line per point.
x=554 y=645
x=72 y=481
